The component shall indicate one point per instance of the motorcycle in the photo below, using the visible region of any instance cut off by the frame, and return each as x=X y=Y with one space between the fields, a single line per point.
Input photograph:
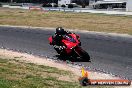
x=72 y=47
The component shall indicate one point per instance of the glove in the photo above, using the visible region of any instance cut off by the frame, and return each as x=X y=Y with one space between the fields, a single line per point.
x=62 y=47
x=59 y=47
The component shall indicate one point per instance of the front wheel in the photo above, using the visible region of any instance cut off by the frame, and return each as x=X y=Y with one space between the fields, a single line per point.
x=82 y=54
x=85 y=56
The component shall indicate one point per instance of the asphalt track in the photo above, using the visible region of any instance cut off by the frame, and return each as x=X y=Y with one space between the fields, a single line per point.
x=109 y=54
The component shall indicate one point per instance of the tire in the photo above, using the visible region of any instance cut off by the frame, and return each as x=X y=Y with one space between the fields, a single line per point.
x=83 y=55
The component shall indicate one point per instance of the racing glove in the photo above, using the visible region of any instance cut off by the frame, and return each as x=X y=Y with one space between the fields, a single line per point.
x=59 y=47
x=62 y=47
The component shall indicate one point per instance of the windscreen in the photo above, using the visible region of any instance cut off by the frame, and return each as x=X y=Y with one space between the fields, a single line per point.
x=69 y=38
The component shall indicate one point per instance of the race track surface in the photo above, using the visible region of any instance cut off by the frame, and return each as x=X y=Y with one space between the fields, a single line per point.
x=112 y=55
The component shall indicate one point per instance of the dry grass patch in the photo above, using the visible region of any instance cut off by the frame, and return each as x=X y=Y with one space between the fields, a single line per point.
x=19 y=74
x=81 y=21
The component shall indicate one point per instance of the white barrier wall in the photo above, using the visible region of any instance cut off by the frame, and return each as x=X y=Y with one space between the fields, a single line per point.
x=129 y=5
x=64 y=2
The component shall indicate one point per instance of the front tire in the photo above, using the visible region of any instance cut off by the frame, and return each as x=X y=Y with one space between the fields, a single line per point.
x=82 y=54
x=85 y=56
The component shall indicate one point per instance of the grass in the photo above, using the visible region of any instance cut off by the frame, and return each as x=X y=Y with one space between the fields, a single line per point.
x=18 y=74
x=81 y=21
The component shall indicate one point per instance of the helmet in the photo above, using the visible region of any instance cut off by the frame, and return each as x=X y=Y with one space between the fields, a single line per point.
x=60 y=30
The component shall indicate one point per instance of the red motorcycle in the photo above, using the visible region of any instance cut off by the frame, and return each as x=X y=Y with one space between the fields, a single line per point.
x=73 y=47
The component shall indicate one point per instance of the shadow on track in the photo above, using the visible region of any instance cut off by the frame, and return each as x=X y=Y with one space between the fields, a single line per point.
x=64 y=58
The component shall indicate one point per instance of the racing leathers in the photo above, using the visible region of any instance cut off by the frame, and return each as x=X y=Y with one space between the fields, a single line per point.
x=57 y=41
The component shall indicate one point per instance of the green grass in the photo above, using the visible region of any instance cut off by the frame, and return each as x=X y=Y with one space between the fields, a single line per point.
x=18 y=74
x=81 y=21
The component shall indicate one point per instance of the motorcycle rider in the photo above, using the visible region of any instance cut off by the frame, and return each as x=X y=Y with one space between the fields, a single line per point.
x=60 y=32
x=59 y=45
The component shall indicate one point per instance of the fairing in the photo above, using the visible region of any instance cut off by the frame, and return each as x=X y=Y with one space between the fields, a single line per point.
x=70 y=41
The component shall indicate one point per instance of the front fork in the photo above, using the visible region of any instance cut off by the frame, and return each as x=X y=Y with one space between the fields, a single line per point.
x=77 y=52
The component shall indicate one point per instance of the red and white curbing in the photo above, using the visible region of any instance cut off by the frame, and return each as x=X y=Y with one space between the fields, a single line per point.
x=35 y=8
